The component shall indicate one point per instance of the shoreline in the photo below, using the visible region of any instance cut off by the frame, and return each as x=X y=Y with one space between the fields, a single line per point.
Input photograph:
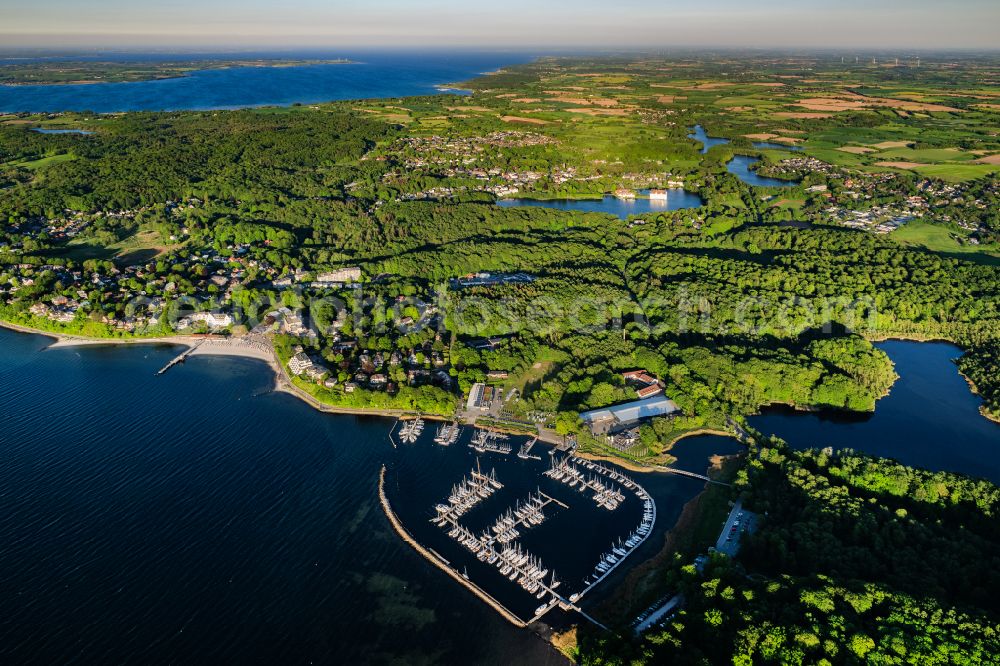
x=226 y=347
x=698 y=432
x=626 y=463
x=185 y=73
x=995 y=418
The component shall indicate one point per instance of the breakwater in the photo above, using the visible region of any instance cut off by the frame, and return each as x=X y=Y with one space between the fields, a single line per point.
x=438 y=561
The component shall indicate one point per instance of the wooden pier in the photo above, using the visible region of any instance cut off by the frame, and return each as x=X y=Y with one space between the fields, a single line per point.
x=179 y=359
x=525 y=452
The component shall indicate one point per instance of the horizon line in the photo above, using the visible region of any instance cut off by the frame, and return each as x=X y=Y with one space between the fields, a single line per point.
x=542 y=50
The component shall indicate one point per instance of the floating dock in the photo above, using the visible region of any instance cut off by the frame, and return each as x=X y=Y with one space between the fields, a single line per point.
x=488 y=441
x=525 y=452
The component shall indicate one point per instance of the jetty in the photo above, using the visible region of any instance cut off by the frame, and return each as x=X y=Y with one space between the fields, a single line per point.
x=606 y=494
x=439 y=561
x=179 y=359
x=523 y=516
x=466 y=494
x=448 y=434
x=525 y=452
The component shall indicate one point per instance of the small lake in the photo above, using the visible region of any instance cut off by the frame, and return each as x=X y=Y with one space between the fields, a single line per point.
x=740 y=165
x=693 y=453
x=930 y=419
x=42 y=130
x=677 y=199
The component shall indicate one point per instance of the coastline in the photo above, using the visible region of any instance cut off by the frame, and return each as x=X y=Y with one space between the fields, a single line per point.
x=995 y=418
x=217 y=347
x=181 y=73
x=676 y=539
x=625 y=463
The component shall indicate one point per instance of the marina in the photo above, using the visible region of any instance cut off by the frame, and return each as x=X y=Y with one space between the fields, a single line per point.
x=525 y=452
x=466 y=494
x=448 y=434
x=411 y=431
x=530 y=536
x=488 y=441
x=606 y=495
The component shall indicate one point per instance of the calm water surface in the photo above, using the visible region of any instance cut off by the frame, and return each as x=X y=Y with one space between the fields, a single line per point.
x=930 y=419
x=693 y=453
x=198 y=518
x=373 y=75
x=42 y=130
x=676 y=200
x=740 y=165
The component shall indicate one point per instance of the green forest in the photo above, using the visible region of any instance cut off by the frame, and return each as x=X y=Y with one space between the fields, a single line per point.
x=858 y=560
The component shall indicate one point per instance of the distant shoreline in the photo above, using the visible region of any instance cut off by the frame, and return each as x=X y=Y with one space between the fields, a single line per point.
x=177 y=72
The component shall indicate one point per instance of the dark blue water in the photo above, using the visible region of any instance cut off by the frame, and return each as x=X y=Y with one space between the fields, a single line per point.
x=769 y=145
x=676 y=200
x=376 y=75
x=570 y=541
x=693 y=453
x=198 y=518
x=740 y=165
x=930 y=419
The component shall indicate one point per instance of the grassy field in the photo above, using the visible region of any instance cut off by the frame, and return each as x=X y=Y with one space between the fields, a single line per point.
x=926 y=155
x=43 y=162
x=956 y=173
x=941 y=239
x=137 y=248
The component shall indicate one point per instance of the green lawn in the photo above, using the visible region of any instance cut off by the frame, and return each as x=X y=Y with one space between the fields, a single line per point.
x=925 y=155
x=43 y=161
x=942 y=239
x=138 y=247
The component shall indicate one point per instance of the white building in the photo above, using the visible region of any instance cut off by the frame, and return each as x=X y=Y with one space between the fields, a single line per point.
x=607 y=418
x=299 y=363
x=213 y=320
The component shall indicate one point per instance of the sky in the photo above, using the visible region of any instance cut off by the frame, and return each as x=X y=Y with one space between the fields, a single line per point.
x=535 y=24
